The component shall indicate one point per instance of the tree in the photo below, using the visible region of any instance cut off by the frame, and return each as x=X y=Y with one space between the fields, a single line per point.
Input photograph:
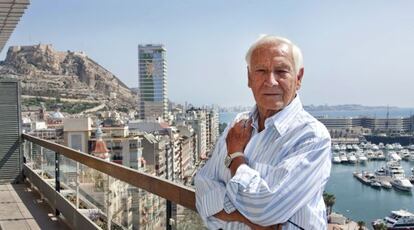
x=361 y=225
x=222 y=127
x=329 y=202
x=380 y=226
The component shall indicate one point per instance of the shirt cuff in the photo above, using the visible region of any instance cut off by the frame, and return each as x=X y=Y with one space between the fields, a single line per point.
x=228 y=205
x=246 y=176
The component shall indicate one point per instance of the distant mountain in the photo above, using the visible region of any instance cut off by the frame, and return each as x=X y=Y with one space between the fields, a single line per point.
x=46 y=72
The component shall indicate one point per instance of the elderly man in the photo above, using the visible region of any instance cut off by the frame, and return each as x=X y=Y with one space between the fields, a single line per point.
x=270 y=167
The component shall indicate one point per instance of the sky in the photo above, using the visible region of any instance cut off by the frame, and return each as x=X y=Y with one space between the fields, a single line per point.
x=355 y=52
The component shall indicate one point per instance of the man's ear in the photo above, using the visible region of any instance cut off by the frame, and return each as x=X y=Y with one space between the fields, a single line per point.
x=299 y=78
x=249 y=84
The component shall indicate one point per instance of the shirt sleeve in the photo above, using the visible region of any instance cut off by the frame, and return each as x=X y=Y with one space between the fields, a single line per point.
x=210 y=186
x=274 y=194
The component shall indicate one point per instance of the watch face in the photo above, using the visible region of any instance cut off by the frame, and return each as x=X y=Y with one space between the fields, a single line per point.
x=227 y=161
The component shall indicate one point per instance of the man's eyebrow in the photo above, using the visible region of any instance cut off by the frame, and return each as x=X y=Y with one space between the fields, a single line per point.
x=259 y=66
x=282 y=65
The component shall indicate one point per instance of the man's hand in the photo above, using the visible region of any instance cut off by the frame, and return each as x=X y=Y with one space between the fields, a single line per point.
x=238 y=136
x=237 y=139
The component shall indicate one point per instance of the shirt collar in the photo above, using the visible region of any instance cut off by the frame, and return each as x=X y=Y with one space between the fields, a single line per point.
x=282 y=120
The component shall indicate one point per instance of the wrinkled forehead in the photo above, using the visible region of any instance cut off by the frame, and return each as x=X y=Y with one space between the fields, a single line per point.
x=272 y=51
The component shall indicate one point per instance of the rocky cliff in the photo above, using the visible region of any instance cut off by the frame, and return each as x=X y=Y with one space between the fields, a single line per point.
x=44 y=71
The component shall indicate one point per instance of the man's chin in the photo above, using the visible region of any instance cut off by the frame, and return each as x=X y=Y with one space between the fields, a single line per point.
x=273 y=106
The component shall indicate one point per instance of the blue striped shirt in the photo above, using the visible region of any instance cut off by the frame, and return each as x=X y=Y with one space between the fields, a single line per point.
x=288 y=165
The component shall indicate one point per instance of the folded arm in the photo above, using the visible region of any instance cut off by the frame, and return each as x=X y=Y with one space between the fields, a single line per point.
x=273 y=198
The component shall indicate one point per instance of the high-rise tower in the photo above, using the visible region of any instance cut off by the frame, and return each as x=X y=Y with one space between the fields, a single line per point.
x=152 y=81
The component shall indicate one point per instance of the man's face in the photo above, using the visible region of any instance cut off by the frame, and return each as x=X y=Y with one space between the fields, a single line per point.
x=272 y=76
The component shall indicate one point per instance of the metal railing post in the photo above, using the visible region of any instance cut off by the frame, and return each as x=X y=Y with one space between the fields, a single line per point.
x=169 y=215
x=57 y=177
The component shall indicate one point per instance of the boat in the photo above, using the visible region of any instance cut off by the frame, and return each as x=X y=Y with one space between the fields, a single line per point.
x=393 y=156
x=397 y=220
x=411 y=156
x=361 y=157
x=389 y=147
x=355 y=147
x=386 y=184
x=402 y=184
x=380 y=172
x=343 y=157
x=397 y=146
x=336 y=147
x=404 y=154
x=375 y=184
x=352 y=159
x=370 y=154
x=380 y=155
x=394 y=169
x=336 y=160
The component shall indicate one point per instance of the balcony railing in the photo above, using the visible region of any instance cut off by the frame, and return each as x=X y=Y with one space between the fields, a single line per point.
x=92 y=193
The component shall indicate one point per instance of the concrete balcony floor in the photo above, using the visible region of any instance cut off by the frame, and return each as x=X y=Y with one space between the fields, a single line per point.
x=22 y=208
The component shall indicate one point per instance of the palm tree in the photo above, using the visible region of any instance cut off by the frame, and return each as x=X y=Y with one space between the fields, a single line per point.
x=381 y=226
x=329 y=202
x=361 y=225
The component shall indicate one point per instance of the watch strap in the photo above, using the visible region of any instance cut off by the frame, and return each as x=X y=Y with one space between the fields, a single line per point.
x=236 y=154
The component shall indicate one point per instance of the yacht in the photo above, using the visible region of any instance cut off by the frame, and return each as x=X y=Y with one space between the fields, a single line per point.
x=397 y=220
x=343 y=157
x=394 y=169
x=355 y=147
x=386 y=184
x=375 y=184
x=336 y=147
x=361 y=157
x=370 y=154
x=402 y=183
x=392 y=155
x=351 y=158
x=411 y=156
x=404 y=154
x=380 y=155
x=389 y=147
x=336 y=160
x=380 y=172
x=397 y=146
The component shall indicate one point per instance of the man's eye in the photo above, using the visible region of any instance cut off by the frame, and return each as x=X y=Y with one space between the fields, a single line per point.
x=260 y=71
x=282 y=71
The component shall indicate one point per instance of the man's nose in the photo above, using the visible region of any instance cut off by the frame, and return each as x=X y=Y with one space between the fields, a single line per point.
x=271 y=79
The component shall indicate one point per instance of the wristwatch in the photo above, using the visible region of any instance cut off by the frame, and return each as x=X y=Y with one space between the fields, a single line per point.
x=229 y=158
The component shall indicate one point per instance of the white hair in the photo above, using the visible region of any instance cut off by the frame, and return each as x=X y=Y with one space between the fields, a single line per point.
x=264 y=38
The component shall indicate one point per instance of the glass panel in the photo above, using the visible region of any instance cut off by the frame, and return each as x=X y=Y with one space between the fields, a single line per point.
x=186 y=219
x=101 y=197
x=48 y=164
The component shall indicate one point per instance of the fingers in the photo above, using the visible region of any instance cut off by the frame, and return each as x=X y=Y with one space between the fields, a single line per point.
x=244 y=123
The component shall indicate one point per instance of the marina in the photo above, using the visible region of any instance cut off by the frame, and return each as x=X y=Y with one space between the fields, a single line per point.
x=371 y=189
x=391 y=173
